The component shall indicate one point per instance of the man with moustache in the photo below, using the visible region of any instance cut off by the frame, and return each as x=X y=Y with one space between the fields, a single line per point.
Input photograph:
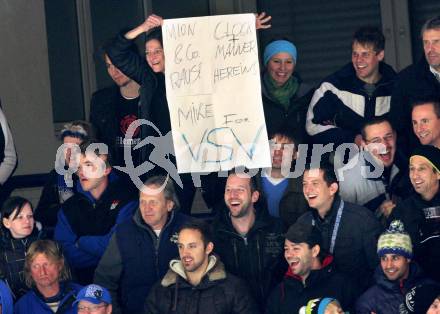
x=386 y=181
x=310 y=275
x=349 y=231
x=358 y=92
x=425 y=117
x=112 y=109
x=420 y=79
x=395 y=276
x=198 y=281
x=420 y=212
x=247 y=239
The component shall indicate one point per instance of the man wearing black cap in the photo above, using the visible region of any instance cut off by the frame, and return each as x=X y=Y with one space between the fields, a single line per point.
x=310 y=274
x=420 y=213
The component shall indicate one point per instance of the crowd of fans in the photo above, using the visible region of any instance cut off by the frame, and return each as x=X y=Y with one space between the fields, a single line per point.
x=352 y=232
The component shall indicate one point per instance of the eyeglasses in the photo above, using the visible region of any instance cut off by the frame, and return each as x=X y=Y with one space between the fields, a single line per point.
x=90 y=309
x=377 y=140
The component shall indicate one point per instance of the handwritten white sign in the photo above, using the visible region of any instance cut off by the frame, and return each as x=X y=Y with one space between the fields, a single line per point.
x=214 y=93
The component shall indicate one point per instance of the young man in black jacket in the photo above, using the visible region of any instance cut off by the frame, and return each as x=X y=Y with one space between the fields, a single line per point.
x=247 y=239
x=349 y=232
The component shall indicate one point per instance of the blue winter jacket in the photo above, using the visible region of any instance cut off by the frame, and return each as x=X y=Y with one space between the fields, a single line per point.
x=386 y=296
x=31 y=303
x=85 y=225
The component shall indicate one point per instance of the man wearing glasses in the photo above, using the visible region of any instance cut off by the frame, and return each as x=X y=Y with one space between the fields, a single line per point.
x=379 y=175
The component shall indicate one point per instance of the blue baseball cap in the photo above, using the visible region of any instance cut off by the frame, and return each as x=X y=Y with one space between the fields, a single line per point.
x=94 y=294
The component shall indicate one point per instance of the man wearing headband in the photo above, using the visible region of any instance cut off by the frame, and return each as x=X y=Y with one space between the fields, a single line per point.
x=358 y=92
x=285 y=96
x=421 y=212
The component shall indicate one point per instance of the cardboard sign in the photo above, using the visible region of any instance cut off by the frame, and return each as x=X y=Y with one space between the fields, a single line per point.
x=214 y=93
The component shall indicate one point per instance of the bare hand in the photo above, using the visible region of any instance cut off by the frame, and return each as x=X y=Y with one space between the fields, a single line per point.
x=151 y=22
x=387 y=207
x=261 y=20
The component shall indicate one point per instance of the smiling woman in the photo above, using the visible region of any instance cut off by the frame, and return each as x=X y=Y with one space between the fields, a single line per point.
x=285 y=97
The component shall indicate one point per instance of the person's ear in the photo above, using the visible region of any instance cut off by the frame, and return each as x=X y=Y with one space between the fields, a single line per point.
x=255 y=196
x=209 y=248
x=6 y=223
x=381 y=55
x=315 y=250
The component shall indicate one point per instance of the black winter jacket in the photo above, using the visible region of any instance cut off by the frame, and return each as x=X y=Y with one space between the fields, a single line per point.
x=276 y=115
x=12 y=257
x=343 y=100
x=291 y=294
x=413 y=82
x=257 y=257
x=355 y=253
x=386 y=296
x=219 y=292
x=420 y=218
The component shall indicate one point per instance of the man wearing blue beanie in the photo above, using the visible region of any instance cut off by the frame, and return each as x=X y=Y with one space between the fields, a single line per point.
x=353 y=95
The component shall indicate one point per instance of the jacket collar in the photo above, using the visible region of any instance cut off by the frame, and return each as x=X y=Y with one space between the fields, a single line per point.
x=215 y=271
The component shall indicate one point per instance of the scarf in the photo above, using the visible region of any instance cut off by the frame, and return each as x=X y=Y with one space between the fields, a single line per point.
x=281 y=94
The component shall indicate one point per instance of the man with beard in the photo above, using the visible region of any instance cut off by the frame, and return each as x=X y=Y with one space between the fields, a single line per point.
x=247 y=239
x=310 y=274
x=386 y=180
x=420 y=212
x=395 y=276
x=112 y=109
x=198 y=281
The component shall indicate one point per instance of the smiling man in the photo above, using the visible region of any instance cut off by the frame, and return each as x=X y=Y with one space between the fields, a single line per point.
x=419 y=79
x=420 y=212
x=349 y=231
x=198 y=270
x=310 y=275
x=389 y=184
x=358 y=92
x=426 y=121
x=395 y=275
x=247 y=239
